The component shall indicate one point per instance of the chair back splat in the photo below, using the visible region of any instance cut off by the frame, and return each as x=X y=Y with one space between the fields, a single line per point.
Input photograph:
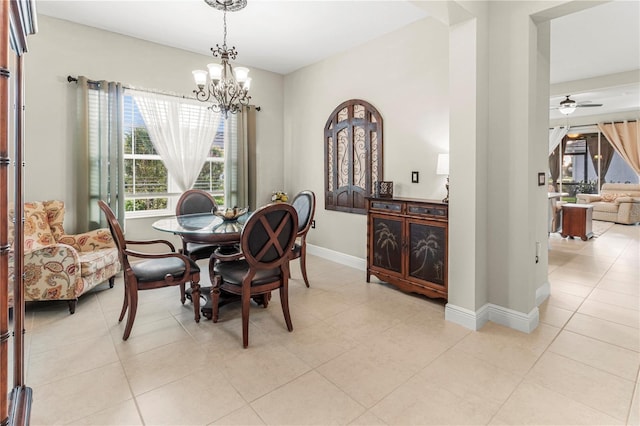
x=153 y=271
x=262 y=266
x=194 y=201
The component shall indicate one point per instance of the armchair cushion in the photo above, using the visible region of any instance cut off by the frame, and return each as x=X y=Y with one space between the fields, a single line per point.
x=89 y=241
x=37 y=233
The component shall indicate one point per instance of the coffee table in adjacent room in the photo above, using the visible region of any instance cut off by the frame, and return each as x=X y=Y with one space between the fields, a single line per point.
x=577 y=221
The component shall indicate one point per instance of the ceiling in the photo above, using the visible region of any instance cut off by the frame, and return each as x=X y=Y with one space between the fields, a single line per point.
x=283 y=36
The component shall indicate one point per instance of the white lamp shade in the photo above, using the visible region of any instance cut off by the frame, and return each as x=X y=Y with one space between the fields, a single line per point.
x=215 y=71
x=241 y=74
x=443 y=164
x=200 y=76
x=247 y=84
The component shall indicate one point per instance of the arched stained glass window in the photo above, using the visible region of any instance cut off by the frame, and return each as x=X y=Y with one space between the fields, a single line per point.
x=353 y=155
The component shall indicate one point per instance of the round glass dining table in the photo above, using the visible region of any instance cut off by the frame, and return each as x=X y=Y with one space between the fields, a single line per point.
x=206 y=228
x=203 y=227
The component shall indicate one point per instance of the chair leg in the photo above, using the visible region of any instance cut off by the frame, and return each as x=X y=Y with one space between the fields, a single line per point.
x=303 y=264
x=246 y=298
x=183 y=293
x=195 y=296
x=72 y=306
x=215 y=297
x=125 y=302
x=112 y=281
x=133 y=309
x=284 y=300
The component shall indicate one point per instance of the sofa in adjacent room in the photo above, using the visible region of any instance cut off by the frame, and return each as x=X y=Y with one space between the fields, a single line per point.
x=617 y=202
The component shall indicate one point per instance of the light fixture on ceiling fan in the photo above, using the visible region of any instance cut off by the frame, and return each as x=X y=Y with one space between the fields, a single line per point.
x=568 y=106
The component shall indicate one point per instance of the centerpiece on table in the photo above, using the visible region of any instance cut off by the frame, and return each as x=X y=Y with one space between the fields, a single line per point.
x=279 y=197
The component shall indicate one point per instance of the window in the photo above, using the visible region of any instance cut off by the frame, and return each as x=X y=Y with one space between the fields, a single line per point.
x=149 y=187
x=353 y=155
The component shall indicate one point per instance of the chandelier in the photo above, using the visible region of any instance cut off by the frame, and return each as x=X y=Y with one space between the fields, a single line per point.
x=228 y=86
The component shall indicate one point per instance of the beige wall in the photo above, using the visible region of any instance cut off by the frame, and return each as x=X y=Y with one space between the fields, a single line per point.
x=404 y=75
x=61 y=48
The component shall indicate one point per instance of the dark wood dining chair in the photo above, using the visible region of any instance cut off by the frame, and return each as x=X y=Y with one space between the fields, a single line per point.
x=195 y=201
x=155 y=271
x=305 y=205
x=262 y=265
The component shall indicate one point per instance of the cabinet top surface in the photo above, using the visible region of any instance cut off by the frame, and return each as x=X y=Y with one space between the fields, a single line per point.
x=407 y=200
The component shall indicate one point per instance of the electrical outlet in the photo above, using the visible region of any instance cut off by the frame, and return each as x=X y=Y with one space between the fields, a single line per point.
x=313 y=224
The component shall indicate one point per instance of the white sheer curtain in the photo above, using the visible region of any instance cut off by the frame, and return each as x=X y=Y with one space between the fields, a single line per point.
x=555 y=137
x=181 y=131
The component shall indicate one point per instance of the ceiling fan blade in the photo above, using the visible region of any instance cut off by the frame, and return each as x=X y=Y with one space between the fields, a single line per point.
x=588 y=105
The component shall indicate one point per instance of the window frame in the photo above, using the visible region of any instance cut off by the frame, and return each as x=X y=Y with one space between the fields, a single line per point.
x=173 y=191
x=351 y=198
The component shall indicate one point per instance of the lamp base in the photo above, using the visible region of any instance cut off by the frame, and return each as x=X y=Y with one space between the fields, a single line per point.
x=446 y=199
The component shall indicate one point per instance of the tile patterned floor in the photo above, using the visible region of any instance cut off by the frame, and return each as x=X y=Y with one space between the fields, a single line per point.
x=361 y=354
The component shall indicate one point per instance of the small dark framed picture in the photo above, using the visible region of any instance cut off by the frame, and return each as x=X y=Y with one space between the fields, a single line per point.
x=541 y=179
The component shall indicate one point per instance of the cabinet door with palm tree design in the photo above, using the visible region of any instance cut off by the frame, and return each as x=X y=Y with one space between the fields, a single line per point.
x=428 y=251
x=387 y=243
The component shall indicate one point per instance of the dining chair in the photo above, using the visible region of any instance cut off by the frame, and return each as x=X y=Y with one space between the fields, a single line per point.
x=261 y=266
x=156 y=270
x=195 y=201
x=305 y=205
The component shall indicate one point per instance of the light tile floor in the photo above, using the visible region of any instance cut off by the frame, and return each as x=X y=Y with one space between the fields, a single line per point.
x=362 y=354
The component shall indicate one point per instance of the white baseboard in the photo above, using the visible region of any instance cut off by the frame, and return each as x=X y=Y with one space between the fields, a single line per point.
x=494 y=313
x=542 y=293
x=335 y=256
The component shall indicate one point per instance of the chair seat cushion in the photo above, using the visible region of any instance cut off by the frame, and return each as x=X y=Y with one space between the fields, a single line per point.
x=92 y=261
x=197 y=249
x=603 y=206
x=234 y=272
x=157 y=269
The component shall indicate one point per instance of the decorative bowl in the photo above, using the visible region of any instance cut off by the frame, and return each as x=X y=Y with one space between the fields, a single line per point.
x=231 y=213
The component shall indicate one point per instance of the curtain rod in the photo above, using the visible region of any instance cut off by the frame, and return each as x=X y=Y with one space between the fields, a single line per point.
x=595 y=124
x=72 y=79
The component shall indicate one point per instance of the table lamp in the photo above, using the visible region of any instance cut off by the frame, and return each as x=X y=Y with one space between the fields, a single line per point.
x=443 y=169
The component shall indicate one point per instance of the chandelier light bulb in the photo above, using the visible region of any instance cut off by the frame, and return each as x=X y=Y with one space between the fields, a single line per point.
x=241 y=73
x=200 y=77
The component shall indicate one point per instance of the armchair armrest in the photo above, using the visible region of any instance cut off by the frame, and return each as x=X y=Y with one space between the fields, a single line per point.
x=89 y=241
x=52 y=273
x=182 y=257
x=627 y=200
x=587 y=198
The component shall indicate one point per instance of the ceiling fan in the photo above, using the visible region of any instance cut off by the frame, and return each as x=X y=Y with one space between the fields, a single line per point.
x=568 y=106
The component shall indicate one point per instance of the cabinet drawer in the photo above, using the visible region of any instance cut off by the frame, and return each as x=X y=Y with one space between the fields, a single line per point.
x=386 y=206
x=427 y=210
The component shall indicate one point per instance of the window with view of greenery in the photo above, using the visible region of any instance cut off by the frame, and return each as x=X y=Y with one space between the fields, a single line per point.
x=148 y=185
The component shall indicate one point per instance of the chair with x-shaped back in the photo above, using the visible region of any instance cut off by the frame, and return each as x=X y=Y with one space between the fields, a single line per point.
x=155 y=271
x=262 y=265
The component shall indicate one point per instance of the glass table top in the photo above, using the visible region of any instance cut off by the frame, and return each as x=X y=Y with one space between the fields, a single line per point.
x=201 y=223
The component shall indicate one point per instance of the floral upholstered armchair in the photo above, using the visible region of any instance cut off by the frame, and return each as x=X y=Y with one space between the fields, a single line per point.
x=59 y=266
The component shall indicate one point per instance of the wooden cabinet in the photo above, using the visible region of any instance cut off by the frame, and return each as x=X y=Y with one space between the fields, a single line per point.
x=407 y=244
x=577 y=221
